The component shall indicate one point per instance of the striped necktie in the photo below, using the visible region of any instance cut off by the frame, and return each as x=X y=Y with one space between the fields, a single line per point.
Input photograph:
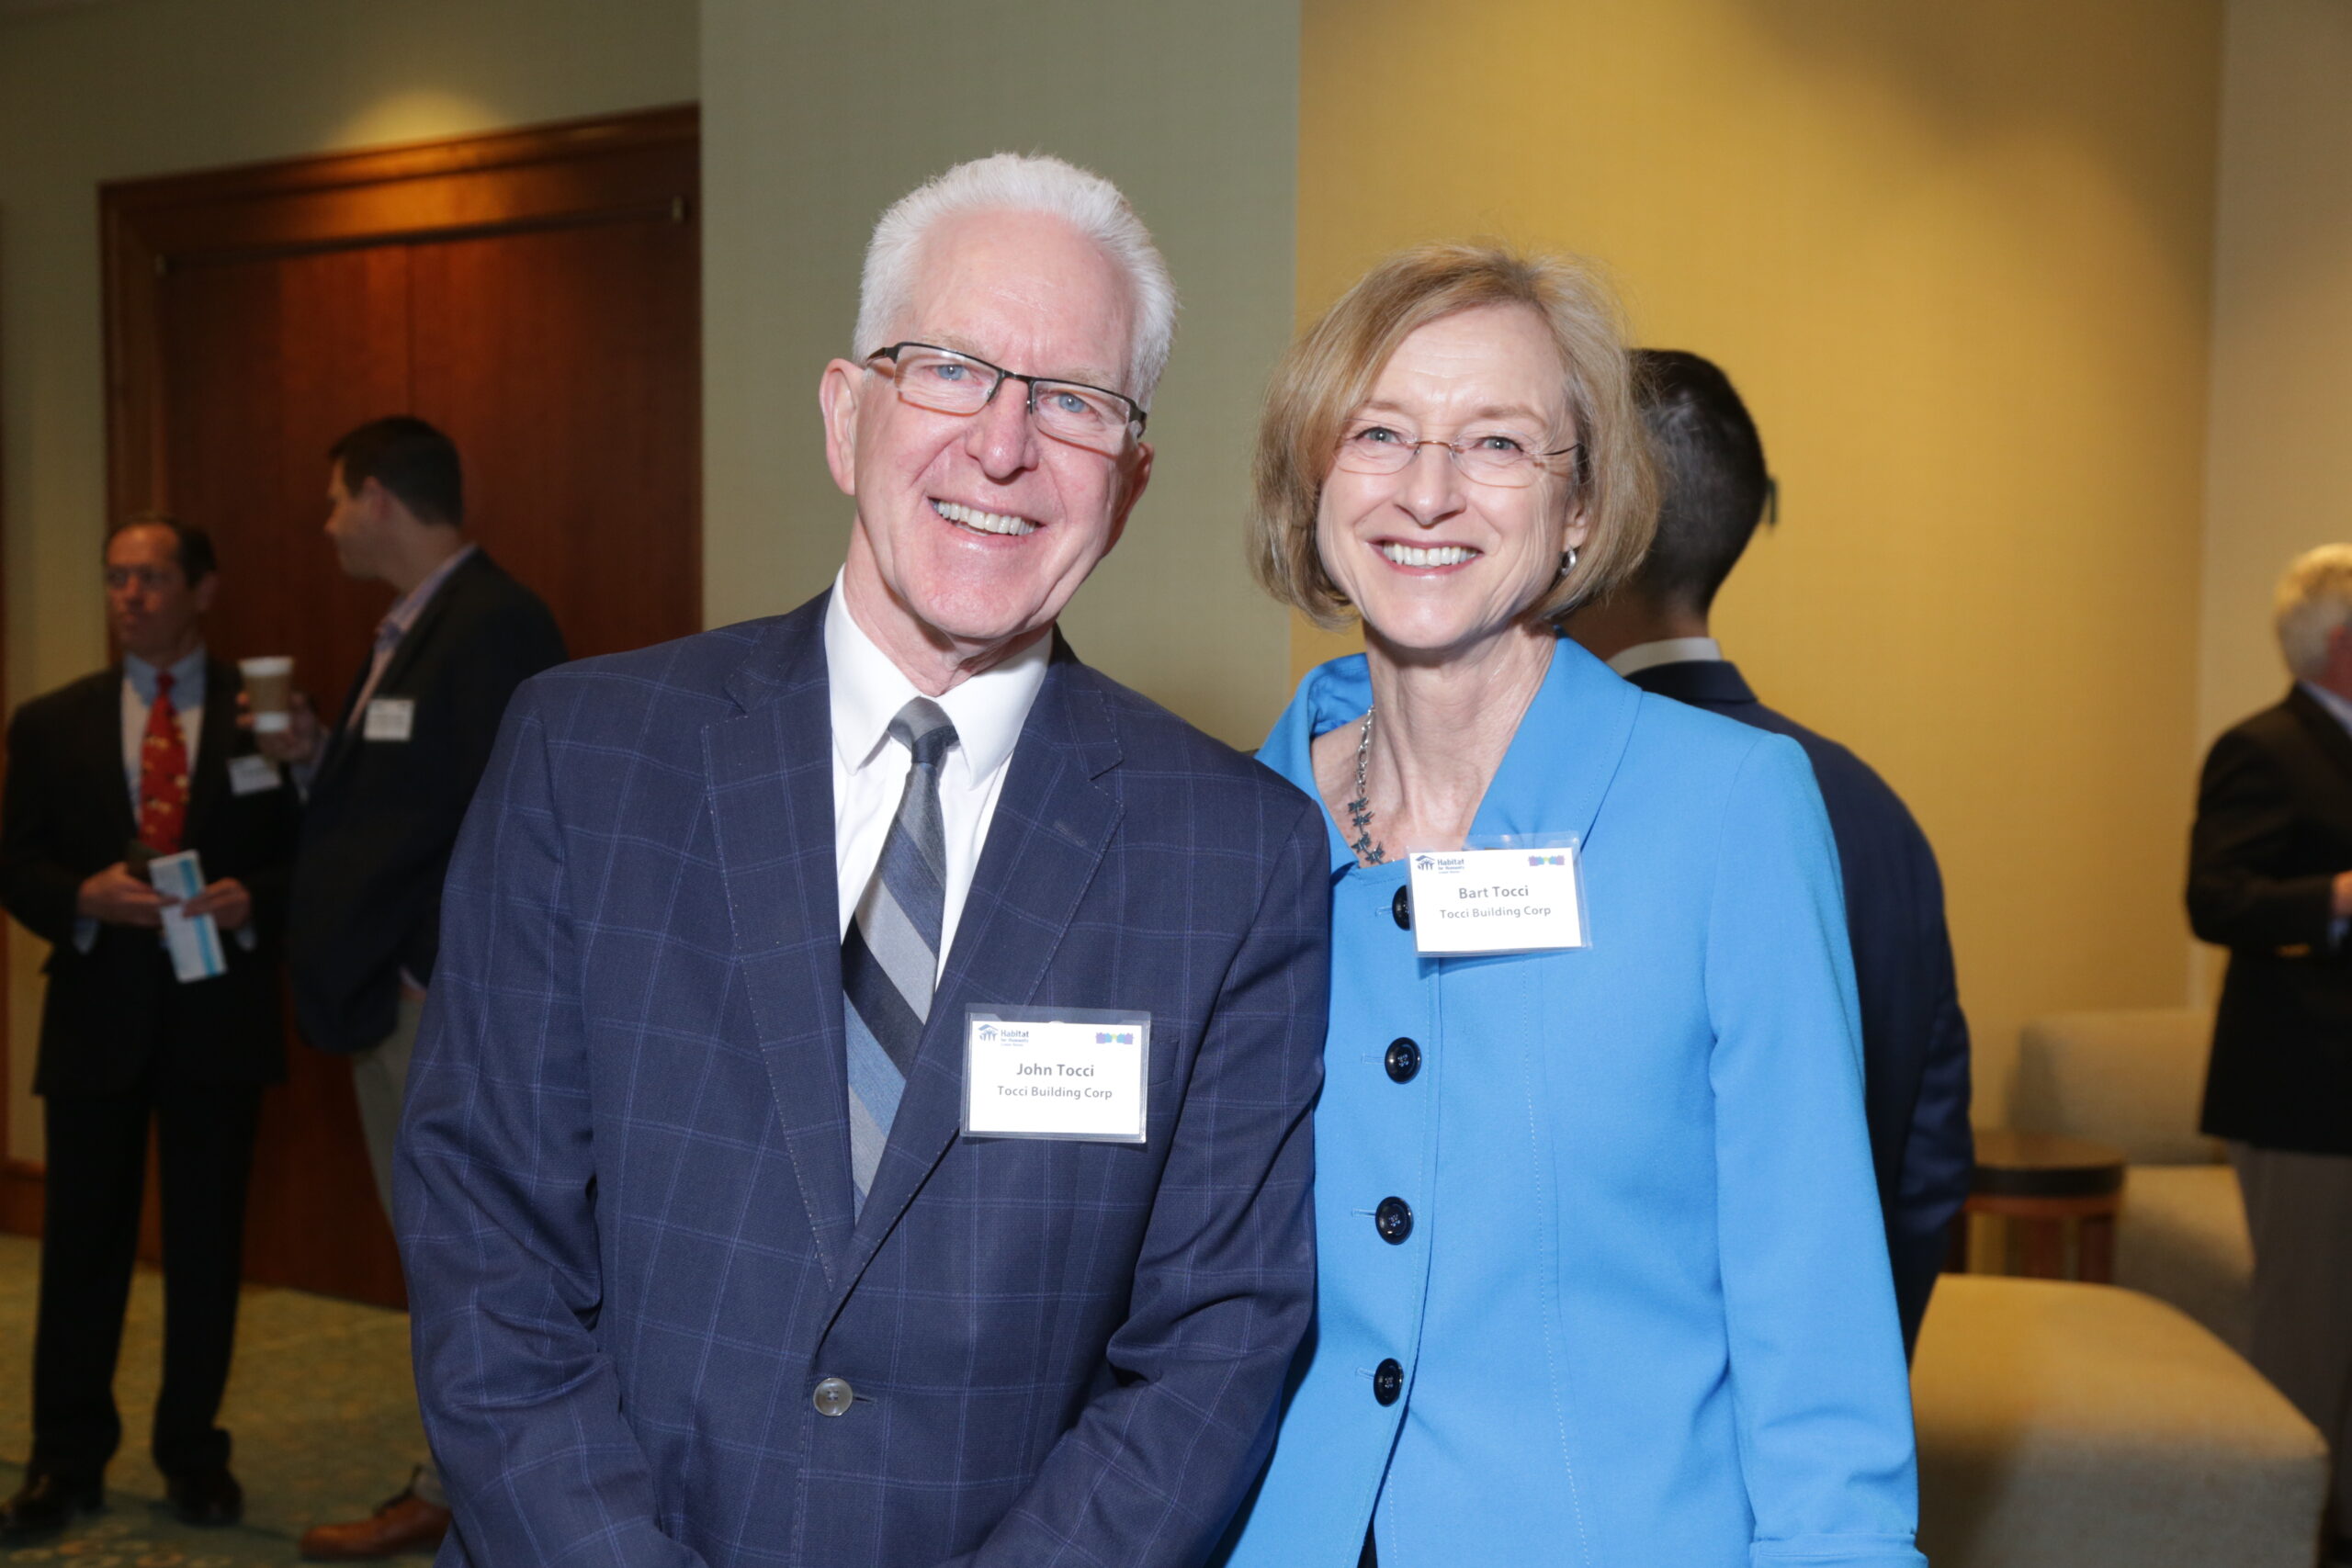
x=890 y=957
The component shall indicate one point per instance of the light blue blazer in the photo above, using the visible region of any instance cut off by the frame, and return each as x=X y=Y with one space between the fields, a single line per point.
x=1643 y=1314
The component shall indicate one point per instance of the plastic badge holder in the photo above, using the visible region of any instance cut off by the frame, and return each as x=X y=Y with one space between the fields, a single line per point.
x=1500 y=893
x=1074 y=1073
x=194 y=942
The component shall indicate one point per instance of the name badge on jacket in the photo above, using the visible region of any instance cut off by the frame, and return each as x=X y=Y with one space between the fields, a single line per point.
x=389 y=718
x=1526 y=898
x=252 y=774
x=1054 y=1073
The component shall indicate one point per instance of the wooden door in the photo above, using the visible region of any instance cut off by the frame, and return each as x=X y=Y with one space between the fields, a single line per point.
x=535 y=294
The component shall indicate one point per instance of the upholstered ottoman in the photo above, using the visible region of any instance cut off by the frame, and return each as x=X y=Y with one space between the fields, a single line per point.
x=2072 y=1425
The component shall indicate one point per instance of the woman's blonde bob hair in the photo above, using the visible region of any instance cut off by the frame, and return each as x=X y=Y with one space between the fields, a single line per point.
x=1330 y=371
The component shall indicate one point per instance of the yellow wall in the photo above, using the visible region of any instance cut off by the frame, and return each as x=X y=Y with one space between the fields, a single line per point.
x=816 y=117
x=2278 y=474
x=133 y=87
x=1958 y=259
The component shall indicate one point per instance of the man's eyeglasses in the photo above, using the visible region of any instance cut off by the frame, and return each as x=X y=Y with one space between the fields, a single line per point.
x=1491 y=457
x=939 y=379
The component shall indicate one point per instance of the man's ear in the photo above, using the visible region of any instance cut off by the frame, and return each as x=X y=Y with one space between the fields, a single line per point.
x=201 y=594
x=838 y=394
x=374 y=499
x=1139 y=474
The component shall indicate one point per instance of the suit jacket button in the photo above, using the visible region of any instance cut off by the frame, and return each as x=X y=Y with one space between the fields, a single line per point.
x=1402 y=907
x=1404 y=1060
x=1387 y=1382
x=1393 y=1219
x=833 y=1397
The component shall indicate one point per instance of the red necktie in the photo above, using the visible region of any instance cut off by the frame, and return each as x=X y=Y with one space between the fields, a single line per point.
x=162 y=773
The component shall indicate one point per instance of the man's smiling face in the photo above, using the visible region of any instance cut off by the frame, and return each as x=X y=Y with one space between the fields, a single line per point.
x=972 y=532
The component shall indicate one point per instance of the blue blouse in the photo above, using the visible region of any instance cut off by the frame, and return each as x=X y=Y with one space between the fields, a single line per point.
x=1640 y=1311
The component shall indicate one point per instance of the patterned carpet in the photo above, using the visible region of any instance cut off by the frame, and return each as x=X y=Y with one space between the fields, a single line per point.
x=319 y=1404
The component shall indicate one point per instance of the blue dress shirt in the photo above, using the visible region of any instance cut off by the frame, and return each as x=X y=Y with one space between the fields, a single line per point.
x=1641 y=1313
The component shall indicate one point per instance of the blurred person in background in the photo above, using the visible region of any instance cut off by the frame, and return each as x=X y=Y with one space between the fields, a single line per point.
x=1601 y=1275
x=386 y=788
x=142 y=760
x=1713 y=490
x=2270 y=879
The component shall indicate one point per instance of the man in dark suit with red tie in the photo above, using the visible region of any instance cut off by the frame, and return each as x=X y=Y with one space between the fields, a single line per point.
x=1713 y=489
x=2270 y=879
x=142 y=760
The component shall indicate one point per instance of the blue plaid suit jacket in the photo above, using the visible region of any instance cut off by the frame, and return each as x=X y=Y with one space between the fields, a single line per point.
x=624 y=1195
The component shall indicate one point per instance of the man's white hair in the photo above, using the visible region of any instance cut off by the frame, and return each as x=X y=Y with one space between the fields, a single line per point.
x=1012 y=182
x=2314 y=598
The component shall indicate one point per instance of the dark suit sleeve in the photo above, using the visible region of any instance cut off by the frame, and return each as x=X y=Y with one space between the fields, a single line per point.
x=495 y=1202
x=509 y=651
x=1940 y=1153
x=1158 y=1461
x=38 y=886
x=2240 y=895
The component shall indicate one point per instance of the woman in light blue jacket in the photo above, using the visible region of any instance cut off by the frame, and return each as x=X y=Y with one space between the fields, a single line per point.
x=1603 y=1277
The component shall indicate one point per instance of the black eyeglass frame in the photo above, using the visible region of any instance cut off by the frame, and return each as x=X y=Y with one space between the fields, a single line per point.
x=1137 y=413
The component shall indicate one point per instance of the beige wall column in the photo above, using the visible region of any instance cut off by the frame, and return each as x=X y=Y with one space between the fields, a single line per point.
x=2279 y=466
x=815 y=116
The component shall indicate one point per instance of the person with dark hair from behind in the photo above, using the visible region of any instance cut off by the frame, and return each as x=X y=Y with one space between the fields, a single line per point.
x=136 y=761
x=387 y=787
x=1714 y=488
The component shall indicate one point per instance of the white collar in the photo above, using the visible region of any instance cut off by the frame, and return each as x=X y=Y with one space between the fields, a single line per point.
x=1668 y=650
x=868 y=690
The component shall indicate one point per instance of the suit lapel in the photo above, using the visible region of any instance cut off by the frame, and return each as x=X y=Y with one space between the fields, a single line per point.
x=420 y=636
x=771 y=789
x=343 y=740
x=2329 y=736
x=110 y=783
x=219 y=734
x=1053 y=825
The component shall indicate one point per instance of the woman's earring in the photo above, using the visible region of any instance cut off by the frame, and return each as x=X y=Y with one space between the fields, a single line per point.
x=1568 y=562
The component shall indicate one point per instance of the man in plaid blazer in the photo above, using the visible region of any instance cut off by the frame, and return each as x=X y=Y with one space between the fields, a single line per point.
x=704 y=1266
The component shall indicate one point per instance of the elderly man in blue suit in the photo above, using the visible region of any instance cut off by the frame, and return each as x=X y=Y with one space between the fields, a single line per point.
x=862 y=1111
x=1713 y=492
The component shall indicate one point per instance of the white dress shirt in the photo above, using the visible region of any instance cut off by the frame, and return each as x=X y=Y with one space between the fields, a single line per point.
x=870 y=769
x=1667 y=650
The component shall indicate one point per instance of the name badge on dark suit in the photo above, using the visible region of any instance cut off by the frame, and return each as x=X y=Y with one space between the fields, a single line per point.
x=389 y=718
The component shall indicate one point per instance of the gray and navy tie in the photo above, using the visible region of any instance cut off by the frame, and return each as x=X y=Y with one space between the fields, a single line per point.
x=890 y=957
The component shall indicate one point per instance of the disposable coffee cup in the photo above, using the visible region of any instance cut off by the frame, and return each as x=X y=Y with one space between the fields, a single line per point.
x=269 y=687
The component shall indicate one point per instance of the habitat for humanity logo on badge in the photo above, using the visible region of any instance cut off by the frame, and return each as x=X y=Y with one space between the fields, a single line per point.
x=1115 y=1037
x=987 y=1032
x=1439 y=862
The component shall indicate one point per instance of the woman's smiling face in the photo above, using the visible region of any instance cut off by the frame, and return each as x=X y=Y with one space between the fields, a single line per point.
x=1434 y=560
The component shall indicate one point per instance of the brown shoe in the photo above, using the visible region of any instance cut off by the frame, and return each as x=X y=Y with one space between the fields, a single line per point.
x=406 y=1523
